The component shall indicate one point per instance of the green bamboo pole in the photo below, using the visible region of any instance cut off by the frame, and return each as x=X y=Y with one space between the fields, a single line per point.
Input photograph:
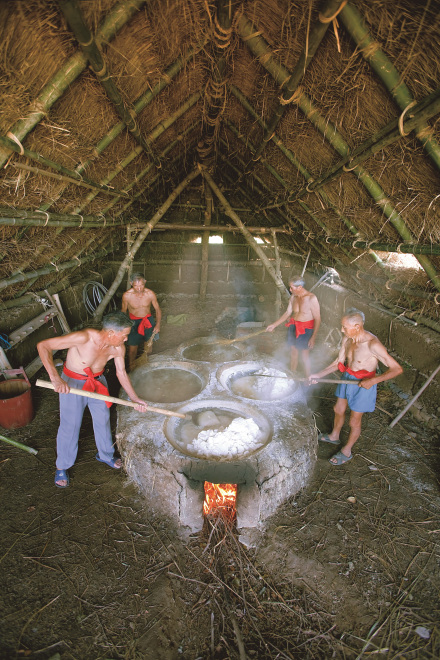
x=148 y=227
x=155 y=133
x=71 y=175
x=248 y=236
x=117 y=17
x=19 y=445
x=61 y=177
x=387 y=72
x=429 y=107
x=23 y=277
x=18 y=217
x=98 y=64
x=315 y=36
x=260 y=48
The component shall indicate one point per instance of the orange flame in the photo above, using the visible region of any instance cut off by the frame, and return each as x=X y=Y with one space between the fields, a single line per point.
x=219 y=498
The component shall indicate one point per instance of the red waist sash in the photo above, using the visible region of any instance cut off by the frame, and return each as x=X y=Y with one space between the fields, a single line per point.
x=362 y=373
x=145 y=323
x=301 y=326
x=91 y=385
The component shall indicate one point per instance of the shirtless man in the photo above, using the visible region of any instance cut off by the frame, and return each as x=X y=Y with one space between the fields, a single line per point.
x=357 y=360
x=88 y=351
x=304 y=320
x=137 y=301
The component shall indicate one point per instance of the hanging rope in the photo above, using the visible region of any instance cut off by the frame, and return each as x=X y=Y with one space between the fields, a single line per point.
x=93 y=294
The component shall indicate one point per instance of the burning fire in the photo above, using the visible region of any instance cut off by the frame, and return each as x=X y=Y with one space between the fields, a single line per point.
x=219 y=498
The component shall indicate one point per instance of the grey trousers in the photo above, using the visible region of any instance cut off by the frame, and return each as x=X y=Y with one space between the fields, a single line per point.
x=72 y=409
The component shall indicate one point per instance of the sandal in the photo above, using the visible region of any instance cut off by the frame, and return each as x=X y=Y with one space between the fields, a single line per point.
x=110 y=463
x=340 y=458
x=324 y=437
x=62 y=475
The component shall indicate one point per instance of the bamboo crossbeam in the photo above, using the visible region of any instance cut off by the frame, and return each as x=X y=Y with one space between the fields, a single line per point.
x=61 y=177
x=387 y=72
x=98 y=64
x=37 y=218
x=388 y=284
x=116 y=18
x=248 y=236
x=70 y=175
x=138 y=242
x=23 y=277
x=260 y=48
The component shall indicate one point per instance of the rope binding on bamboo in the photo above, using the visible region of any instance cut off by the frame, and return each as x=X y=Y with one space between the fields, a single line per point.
x=329 y=19
x=400 y=122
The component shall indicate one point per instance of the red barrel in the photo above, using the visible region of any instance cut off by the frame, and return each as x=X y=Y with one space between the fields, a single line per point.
x=16 y=407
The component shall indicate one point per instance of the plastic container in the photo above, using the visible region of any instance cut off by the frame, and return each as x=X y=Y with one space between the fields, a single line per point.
x=16 y=407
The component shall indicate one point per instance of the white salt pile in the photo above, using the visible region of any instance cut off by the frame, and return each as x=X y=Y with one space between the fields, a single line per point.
x=241 y=437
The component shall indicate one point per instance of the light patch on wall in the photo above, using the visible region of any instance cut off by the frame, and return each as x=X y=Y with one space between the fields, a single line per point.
x=400 y=260
x=212 y=239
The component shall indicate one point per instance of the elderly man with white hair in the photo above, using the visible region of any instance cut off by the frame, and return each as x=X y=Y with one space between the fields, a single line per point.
x=358 y=358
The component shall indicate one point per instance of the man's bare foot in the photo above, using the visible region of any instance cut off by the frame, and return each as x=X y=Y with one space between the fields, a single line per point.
x=115 y=463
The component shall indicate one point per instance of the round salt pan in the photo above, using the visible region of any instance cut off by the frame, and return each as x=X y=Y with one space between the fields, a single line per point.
x=169 y=385
x=239 y=430
x=212 y=353
x=262 y=385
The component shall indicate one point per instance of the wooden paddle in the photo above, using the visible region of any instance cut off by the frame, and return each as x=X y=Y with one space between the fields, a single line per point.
x=113 y=399
x=242 y=338
x=336 y=381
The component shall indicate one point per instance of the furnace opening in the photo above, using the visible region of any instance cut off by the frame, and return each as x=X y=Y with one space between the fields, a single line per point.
x=220 y=500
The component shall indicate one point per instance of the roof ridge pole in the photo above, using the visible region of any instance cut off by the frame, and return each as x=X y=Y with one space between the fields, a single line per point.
x=328 y=13
x=328 y=131
x=155 y=133
x=404 y=248
x=119 y=15
x=301 y=169
x=390 y=76
x=138 y=242
x=248 y=236
x=73 y=15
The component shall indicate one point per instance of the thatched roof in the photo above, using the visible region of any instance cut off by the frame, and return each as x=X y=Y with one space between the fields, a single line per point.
x=127 y=97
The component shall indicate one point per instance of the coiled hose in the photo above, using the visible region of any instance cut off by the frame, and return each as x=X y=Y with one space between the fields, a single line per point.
x=93 y=294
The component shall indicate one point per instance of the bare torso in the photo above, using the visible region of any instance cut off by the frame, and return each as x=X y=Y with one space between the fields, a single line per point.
x=361 y=354
x=92 y=353
x=138 y=303
x=302 y=307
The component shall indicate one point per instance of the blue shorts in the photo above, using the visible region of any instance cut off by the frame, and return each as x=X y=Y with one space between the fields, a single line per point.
x=358 y=398
x=302 y=341
x=134 y=338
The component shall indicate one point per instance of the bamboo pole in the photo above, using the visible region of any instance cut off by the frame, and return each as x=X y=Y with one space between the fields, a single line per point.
x=23 y=277
x=387 y=72
x=138 y=242
x=155 y=133
x=260 y=48
x=315 y=36
x=116 y=18
x=71 y=175
x=205 y=243
x=401 y=288
x=98 y=64
x=248 y=236
x=61 y=177
x=19 y=445
x=19 y=217
x=390 y=134
x=415 y=397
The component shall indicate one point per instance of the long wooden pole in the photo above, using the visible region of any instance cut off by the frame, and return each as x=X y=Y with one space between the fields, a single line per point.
x=205 y=243
x=138 y=242
x=415 y=397
x=248 y=236
x=110 y=399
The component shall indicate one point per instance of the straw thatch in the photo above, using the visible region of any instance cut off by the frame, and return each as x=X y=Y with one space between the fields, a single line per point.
x=202 y=81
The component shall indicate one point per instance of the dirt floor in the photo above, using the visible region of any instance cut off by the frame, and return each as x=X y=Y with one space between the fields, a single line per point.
x=348 y=569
